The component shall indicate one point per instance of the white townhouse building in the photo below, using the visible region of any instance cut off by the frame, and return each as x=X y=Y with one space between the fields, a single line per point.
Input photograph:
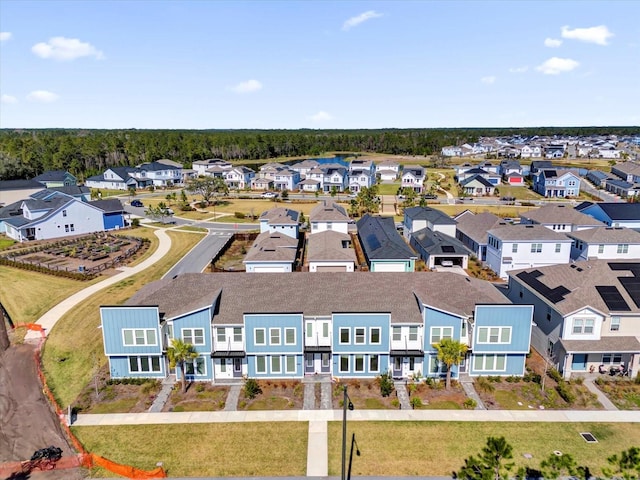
x=239 y=177
x=388 y=170
x=159 y=174
x=413 y=177
x=560 y=218
x=610 y=243
x=328 y=215
x=201 y=167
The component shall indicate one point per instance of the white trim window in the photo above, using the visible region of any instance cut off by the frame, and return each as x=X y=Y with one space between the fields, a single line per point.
x=221 y=335
x=223 y=365
x=623 y=248
x=583 y=326
x=343 y=363
x=194 y=336
x=360 y=335
x=237 y=334
x=438 y=333
x=536 y=248
x=611 y=358
x=139 y=337
x=144 y=365
x=601 y=248
x=325 y=329
x=413 y=334
x=558 y=247
x=276 y=364
x=494 y=335
x=374 y=363
x=490 y=363
x=615 y=324
x=289 y=336
x=396 y=334
x=259 y=336
x=436 y=366
x=359 y=363
x=309 y=329
x=375 y=336
x=274 y=336
x=345 y=336
x=261 y=364
x=197 y=367
x=290 y=364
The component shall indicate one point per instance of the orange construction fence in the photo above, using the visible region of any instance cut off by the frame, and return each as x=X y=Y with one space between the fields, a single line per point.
x=85 y=458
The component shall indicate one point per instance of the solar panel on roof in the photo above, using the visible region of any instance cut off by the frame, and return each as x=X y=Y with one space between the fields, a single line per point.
x=448 y=249
x=632 y=286
x=554 y=295
x=612 y=298
x=632 y=267
x=373 y=241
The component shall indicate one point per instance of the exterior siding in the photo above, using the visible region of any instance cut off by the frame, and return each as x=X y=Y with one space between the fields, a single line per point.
x=119 y=368
x=270 y=351
x=359 y=354
x=516 y=317
x=115 y=319
x=437 y=319
x=514 y=365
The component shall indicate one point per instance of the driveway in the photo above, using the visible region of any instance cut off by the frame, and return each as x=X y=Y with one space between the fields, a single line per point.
x=200 y=256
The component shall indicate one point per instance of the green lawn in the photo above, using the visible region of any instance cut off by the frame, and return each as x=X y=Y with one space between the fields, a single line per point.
x=6 y=242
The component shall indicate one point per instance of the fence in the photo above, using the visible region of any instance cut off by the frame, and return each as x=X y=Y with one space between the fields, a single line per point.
x=236 y=236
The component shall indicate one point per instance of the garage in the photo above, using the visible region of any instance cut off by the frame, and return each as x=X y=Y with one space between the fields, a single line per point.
x=331 y=268
x=270 y=269
x=390 y=267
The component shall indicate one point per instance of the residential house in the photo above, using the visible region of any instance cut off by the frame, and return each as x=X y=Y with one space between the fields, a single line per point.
x=554 y=150
x=80 y=192
x=471 y=230
x=117 y=178
x=477 y=186
x=280 y=220
x=272 y=252
x=12 y=191
x=384 y=248
x=56 y=178
x=286 y=179
x=609 y=243
x=113 y=215
x=597 y=177
x=539 y=165
x=309 y=185
x=304 y=167
x=330 y=251
x=489 y=175
x=418 y=218
x=239 y=178
x=514 y=179
x=211 y=167
x=627 y=171
x=388 y=170
x=530 y=151
x=613 y=214
x=413 y=177
x=359 y=179
x=511 y=247
x=557 y=183
x=328 y=215
x=439 y=249
x=586 y=314
x=158 y=174
x=560 y=218
x=335 y=177
x=623 y=189
x=261 y=184
x=286 y=332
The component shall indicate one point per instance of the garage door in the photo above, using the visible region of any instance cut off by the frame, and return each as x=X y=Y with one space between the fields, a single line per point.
x=269 y=269
x=336 y=268
x=389 y=267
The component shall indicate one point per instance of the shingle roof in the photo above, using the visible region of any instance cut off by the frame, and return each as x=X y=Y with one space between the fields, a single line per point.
x=272 y=247
x=438 y=243
x=607 y=235
x=527 y=232
x=551 y=214
x=328 y=245
x=476 y=226
x=621 y=211
x=52 y=176
x=603 y=345
x=281 y=216
x=108 y=205
x=244 y=293
x=6 y=185
x=328 y=211
x=380 y=240
x=477 y=178
x=433 y=215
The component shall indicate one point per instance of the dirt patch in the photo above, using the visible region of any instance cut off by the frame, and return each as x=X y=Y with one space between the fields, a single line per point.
x=27 y=421
x=232 y=258
x=276 y=395
x=199 y=397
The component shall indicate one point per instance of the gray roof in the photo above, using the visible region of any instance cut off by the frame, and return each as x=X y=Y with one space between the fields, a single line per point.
x=552 y=214
x=477 y=178
x=328 y=211
x=580 y=280
x=245 y=293
x=6 y=185
x=53 y=176
x=108 y=205
x=280 y=216
x=381 y=241
x=432 y=215
x=330 y=245
x=603 y=345
x=438 y=243
x=73 y=190
x=272 y=247
x=607 y=235
x=476 y=226
x=615 y=210
x=534 y=232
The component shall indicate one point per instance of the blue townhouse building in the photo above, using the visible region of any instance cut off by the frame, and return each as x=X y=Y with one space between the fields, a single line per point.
x=345 y=326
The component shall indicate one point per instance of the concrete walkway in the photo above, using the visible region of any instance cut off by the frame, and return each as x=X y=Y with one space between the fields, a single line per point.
x=231 y=403
x=403 y=395
x=309 y=400
x=602 y=398
x=467 y=385
x=160 y=401
x=317 y=449
x=326 y=395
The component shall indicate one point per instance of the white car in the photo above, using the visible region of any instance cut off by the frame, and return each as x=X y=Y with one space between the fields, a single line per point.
x=268 y=195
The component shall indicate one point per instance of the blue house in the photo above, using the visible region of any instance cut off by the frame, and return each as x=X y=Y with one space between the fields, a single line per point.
x=309 y=324
x=556 y=183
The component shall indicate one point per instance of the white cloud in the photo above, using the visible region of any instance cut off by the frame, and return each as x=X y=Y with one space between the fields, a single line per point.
x=8 y=99
x=357 y=20
x=321 y=116
x=490 y=80
x=4 y=36
x=61 y=48
x=518 y=69
x=552 y=42
x=598 y=35
x=247 y=87
x=555 y=66
x=42 y=96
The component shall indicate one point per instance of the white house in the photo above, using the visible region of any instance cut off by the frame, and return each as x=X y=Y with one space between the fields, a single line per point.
x=201 y=167
x=388 y=170
x=560 y=218
x=159 y=174
x=330 y=251
x=418 y=218
x=271 y=252
x=511 y=247
x=611 y=243
x=413 y=177
x=280 y=220
x=239 y=177
x=117 y=178
x=328 y=215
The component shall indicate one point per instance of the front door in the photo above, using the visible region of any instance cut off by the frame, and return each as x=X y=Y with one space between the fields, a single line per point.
x=308 y=363
x=579 y=362
x=237 y=367
x=397 y=367
x=326 y=363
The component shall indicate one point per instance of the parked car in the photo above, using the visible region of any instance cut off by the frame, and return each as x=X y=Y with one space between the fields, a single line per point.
x=508 y=199
x=268 y=195
x=430 y=196
x=137 y=203
x=168 y=211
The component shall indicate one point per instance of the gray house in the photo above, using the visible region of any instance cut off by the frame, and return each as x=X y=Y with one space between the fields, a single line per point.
x=384 y=248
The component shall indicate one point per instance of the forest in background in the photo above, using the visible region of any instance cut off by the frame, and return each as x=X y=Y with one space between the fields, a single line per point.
x=25 y=153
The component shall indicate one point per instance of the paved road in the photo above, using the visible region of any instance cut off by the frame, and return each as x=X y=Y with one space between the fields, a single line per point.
x=199 y=258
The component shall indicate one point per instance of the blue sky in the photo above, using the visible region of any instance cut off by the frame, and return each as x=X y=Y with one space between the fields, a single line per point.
x=318 y=64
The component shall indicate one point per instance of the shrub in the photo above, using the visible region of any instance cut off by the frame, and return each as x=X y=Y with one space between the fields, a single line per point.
x=395 y=403
x=470 y=404
x=386 y=384
x=565 y=392
x=555 y=374
x=239 y=215
x=430 y=381
x=251 y=388
x=512 y=379
x=495 y=378
x=532 y=377
x=485 y=385
x=135 y=222
x=416 y=402
x=200 y=388
x=578 y=381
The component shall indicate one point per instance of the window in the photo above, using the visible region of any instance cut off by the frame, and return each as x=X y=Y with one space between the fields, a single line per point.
x=558 y=247
x=274 y=336
x=309 y=330
x=514 y=248
x=289 y=336
x=436 y=366
x=291 y=364
x=329 y=225
x=615 y=324
x=221 y=335
x=612 y=358
x=413 y=334
x=261 y=365
x=259 y=336
x=463 y=330
x=344 y=334
x=397 y=334
x=623 y=248
x=325 y=330
x=374 y=363
x=494 y=334
x=344 y=363
x=196 y=367
x=194 y=336
x=275 y=364
x=583 y=325
x=536 y=248
x=64 y=213
x=359 y=363
x=142 y=336
x=374 y=335
x=144 y=364
x=360 y=335
x=600 y=248
x=237 y=334
x=490 y=363
x=438 y=333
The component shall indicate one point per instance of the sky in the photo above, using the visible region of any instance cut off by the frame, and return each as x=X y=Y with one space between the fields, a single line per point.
x=292 y=64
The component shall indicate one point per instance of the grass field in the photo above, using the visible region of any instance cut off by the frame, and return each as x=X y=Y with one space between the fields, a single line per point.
x=500 y=210
x=218 y=450
x=73 y=351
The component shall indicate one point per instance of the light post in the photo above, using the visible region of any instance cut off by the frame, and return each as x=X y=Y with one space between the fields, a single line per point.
x=346 y=403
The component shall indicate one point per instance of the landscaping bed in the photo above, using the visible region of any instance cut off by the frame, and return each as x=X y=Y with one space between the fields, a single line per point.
x=199 y=397
x=274 y=395
x=624 y=393
x=232 y=256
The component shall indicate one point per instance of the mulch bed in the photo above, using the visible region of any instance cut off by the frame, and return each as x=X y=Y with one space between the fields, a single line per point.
x=199 y=397
x=276 y=395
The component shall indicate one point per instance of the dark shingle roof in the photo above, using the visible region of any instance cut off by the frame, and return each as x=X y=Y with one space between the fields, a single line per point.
x=109 y=205
x=52 y=176
x=477 y=178
x=438 y=243
x=380 y=240
x=620 y=211
x=6 y=185
x=476 y=226
x=433 y=215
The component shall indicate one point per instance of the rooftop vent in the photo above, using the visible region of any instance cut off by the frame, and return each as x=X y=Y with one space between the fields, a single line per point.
x=528 y=226
x=579 y=269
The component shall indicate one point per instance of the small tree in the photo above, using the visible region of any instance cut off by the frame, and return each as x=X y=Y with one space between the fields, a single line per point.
x=490 y=464
x=450 y=352
x=386 y=384
x=625 y=466
x=557 y=466
x=179 y=354
x=285 y=194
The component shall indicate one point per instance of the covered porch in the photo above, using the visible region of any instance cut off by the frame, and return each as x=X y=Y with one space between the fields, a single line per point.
x=607 y=356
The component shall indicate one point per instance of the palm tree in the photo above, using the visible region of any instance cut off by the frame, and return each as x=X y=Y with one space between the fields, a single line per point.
x=450 y=352
x=179 y=354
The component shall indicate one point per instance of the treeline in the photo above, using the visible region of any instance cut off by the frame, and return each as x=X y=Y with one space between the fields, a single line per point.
x=25 y=153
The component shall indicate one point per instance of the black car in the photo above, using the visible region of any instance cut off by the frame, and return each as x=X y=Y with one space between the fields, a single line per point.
x=136 y=203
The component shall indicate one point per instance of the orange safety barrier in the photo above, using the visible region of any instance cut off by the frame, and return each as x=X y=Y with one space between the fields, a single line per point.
x=85 y=458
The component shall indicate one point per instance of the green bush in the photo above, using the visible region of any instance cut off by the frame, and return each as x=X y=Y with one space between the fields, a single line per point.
x=555 y=374
x=495 y=378
x=251 y=388
x=565 y=392
x=386 y=384
x=395 y=403
x=532 y=377
x=484 y=384
x=239 y=215
x=470 y=404
x=200 y=388
x=416 y=402
x=512 y=379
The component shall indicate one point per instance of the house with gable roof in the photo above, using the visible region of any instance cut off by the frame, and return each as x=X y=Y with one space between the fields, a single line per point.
x=14 y=190
x=117 y=178
x=56 y=178
x=272 y=252
x=560 y=218
x=388 y=170
x=477 y=185
x=158 y=174
x=330 y=251
x=239 y=178
x=471 y=230
x=413 y=177
x=384 y=248
x=613 y=214
x=329 y=215
x=211 y=167
x=610 y=243
x=281 y=220
x=557 y=183
x=418 y=218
